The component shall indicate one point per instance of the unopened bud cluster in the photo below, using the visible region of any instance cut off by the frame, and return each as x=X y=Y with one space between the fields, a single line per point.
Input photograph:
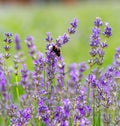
x=7 y=46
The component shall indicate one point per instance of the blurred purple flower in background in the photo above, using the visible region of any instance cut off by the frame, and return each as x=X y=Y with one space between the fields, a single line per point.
x=17 y=41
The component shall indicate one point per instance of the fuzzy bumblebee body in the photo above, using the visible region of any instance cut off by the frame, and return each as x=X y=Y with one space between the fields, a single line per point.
x=56 y=50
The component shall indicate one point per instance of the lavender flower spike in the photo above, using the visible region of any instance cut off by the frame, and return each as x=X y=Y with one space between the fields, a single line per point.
x=61 y=40
x=49 y=38
x=22 y=118
x=29 y=40
x=108 y=30
x=8 y=37
x=31 y=46
x=8 y=34
x=2 y=82
x=17 y=42
x=95 y=37
x=73 y=27
x=65 y=38
x=7 y=46
x=74 y=23
x=98 y=22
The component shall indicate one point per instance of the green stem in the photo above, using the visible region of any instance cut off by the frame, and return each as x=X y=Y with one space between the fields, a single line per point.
x=115 y=106
x=44 y=73
x=107 y=115
x=94 y=110
x=88 y=94
x=99 y=117
x=17 y=90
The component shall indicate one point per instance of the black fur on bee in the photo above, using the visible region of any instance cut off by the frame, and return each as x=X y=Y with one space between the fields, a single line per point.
x=56 y=50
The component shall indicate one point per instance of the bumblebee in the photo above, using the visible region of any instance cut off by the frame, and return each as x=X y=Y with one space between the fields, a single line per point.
x=56 y=50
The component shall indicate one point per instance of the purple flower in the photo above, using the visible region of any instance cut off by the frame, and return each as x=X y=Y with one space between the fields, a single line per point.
x=61 y=117
x=92 y=80
x=118 y=49
x=43 y=112
x=59 y=41
x=98 y=22
x=8 y=34
x=58 y=113
x=74 y=74
x=8 y=37
x=88 y=110
x=23 y=99
x=108 y=30
x=49 y=38
x=39 y=63
x=117 y=76
x=106 y=118
x=51 y=65
x=64 y=123
x=17 y=42
x=24 y=76
x=29 y=39
x=61 y=75
x=100 y=52
x=74 y=23
x=81 y=110
x=3 y=91
x=95 y=37
x=14 y=121
x=22 y=117
x=84 y=122
x=65 y=38
x=7 y=47
x=62 y=40
x=67 y=107
x=12 y=110
x=30 y=43
x=38 y=77
x=82 y=67
x=117 y=54
x=25 y=115
x=117 y=58
x=103 y=44
x=97 y=45
x=93 y=52
x=24 y=71
x=2 y=82
x=73 y=27
x=42 y=108
x=82 y=97
x=1 y=61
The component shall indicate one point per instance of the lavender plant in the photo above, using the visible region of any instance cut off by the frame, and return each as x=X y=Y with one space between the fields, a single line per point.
x=54 y=95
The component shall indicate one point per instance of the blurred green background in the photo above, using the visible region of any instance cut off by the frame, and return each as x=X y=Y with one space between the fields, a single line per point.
x=37 y=19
